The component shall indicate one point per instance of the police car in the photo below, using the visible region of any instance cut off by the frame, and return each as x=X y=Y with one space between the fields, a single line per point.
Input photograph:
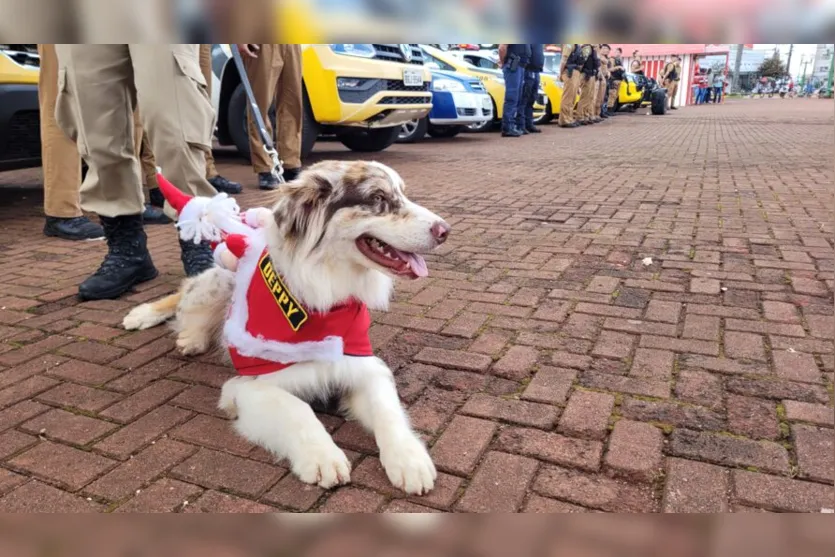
x=458 y=100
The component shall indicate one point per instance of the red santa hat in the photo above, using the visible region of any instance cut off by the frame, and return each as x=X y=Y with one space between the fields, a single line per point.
x=202 y=218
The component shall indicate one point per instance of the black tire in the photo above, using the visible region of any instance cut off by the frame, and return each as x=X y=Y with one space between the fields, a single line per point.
x=370 y=141
x=658 y=102
x=413 y=131
x=236 y=123
x=547 y=116
x=444 y=131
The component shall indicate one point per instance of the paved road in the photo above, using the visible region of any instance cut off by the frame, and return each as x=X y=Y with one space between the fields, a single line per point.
x=548 y=366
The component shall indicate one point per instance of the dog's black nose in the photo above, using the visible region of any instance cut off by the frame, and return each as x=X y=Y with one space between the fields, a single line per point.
x=440 y=231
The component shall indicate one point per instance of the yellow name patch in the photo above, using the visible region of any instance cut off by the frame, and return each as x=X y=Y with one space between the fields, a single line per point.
x=292 y=310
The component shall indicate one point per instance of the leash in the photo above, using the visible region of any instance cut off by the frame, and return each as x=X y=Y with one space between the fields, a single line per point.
x=277 y=168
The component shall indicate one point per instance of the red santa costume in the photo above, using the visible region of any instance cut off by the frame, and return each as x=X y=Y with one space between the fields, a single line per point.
x=267 y=329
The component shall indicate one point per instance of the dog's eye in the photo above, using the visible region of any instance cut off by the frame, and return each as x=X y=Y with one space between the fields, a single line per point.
x=379 y=199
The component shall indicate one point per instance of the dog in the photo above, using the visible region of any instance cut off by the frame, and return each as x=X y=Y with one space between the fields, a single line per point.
x=341 y=231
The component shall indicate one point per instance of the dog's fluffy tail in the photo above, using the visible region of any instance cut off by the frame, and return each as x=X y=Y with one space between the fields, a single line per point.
x=150 y=315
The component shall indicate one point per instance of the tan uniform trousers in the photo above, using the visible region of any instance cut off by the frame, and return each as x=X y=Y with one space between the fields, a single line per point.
x=588 y=92
x=99 y=86
x=614 y=90
x=276 y=76
x=672 y=90
x=599 y=97
x=61 y=163
x=571 y=84
x=146 y=155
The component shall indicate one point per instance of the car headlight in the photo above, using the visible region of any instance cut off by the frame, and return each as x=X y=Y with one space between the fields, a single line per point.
x=361 y=50
x=447 y=85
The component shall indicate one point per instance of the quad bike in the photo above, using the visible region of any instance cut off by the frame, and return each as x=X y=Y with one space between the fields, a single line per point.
x=653 y=94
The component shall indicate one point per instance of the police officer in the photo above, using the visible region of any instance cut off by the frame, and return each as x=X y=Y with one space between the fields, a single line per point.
x=513 y=59
x=588 y=88
x=573 y=59
x=617 y=73
x=669 y=74
x=603 y=82
x=636 y=66
x=275 y=73
x=98 y=85
x=530 y=87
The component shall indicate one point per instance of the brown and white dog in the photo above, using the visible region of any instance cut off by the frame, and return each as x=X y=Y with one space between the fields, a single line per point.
x=342 y=230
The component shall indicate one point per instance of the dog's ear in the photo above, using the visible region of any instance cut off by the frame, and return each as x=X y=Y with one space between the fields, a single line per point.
x=301 y=200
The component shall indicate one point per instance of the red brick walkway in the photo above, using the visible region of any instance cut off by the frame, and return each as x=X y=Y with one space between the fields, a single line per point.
x=549 y=368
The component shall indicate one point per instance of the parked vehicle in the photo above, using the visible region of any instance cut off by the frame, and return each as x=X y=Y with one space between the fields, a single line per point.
x=360 y=93
x=20 y=134
x=491 y=78
x=550 y=85
x=458 y=100
x=636 y=91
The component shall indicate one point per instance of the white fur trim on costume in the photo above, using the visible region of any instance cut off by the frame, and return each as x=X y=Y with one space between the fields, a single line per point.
x=204 y=218
x=330 y=349
x=218 y=254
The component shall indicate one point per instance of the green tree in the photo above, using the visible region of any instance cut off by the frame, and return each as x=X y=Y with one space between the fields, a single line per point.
x=773 y=67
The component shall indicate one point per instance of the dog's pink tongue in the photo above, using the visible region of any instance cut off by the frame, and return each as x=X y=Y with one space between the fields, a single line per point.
x=416 y=263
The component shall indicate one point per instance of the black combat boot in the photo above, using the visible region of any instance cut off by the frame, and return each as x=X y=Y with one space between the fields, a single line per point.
x=126 y=264
x=73 y=228
x=196 y=258
x=266 y=181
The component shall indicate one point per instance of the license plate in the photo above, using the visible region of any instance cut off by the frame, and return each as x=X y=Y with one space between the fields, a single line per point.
x=412 y=78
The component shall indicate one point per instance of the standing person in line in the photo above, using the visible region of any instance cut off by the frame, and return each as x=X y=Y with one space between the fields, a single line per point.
x=530 y=88
x=636 y=66
x=275 y=73
x=668 y=75
x=61 y=162
x=617 y=72
x=704 y=87
x=602 y=82
x=589 y=86
x=149 y=165
x=570 y=65
x=98 y=87
x=718 y=86
x=513 y=59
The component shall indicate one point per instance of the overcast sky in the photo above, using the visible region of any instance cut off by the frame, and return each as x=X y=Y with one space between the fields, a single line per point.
x=801 y=51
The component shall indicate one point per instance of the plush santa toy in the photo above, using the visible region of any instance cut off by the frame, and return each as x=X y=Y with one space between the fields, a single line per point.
x=267 y=328
x=212 y=219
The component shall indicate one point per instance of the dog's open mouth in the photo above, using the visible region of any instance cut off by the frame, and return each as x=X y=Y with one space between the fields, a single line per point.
x=401 y=263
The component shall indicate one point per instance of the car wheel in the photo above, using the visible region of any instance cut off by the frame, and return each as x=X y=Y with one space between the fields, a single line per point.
x=659 y=102
x=547 y=114
x=238 y=127
x=412 y=131
x=369 y=141
x=445 y=131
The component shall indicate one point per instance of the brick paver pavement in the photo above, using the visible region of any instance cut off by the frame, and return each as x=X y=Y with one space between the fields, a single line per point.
x=548 y=367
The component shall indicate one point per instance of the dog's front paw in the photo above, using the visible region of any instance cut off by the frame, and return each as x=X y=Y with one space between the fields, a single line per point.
x=408 y=465
x=322 y=464
x=192 y=346
x=141 y=317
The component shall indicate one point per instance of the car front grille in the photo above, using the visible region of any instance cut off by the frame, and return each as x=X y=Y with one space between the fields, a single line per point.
x=392 y=53
x=406 y=100
x=370 y=87
x=466 y=111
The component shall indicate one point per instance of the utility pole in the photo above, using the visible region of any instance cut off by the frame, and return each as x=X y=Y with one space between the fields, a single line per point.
x=735 y=85
x=789 y=61
x=831 y=72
